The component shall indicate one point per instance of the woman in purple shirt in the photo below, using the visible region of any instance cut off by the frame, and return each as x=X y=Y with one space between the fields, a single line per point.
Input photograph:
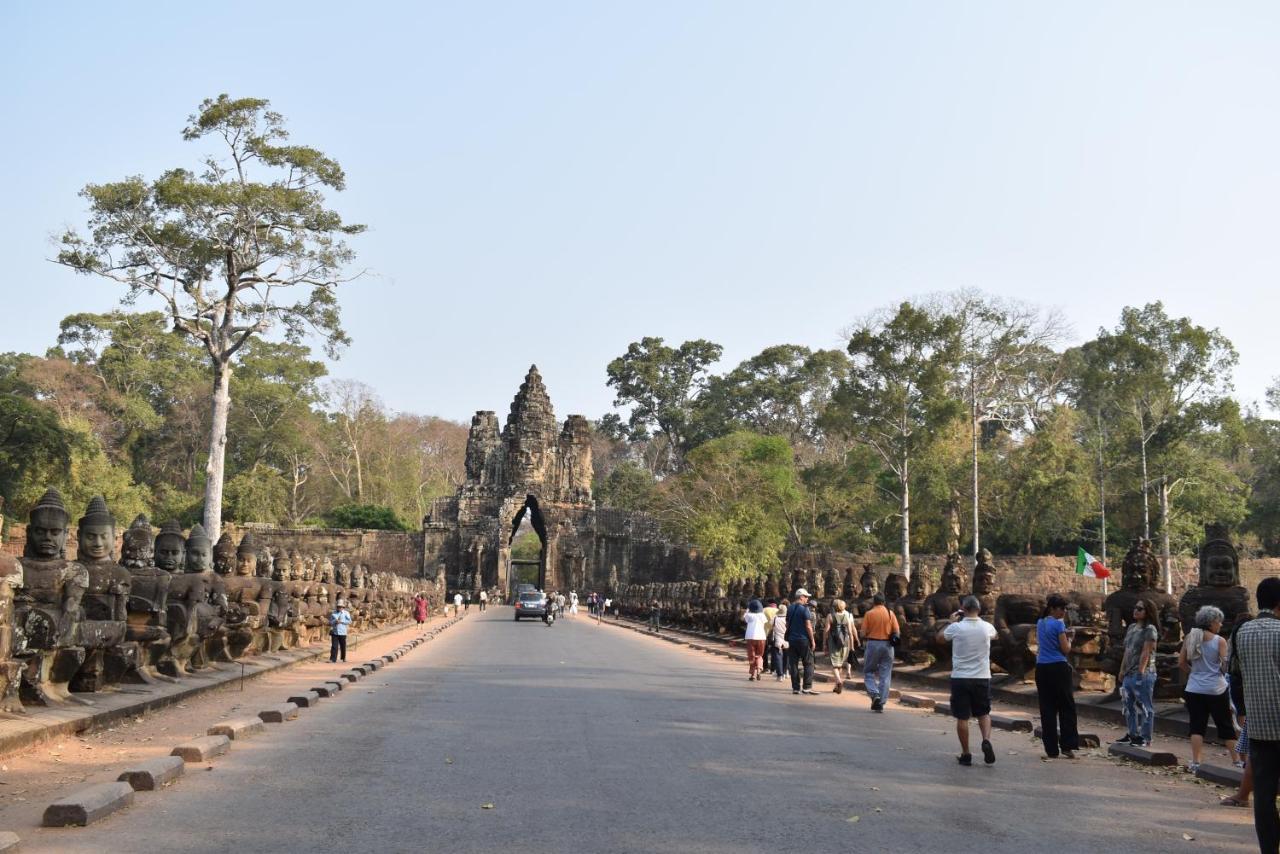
x=1053 y=681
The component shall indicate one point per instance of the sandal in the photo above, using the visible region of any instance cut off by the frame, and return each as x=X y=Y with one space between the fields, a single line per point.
x=839 y=687
x=1232 y=801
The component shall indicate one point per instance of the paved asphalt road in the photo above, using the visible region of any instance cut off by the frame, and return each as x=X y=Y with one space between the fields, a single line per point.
x=598 y=739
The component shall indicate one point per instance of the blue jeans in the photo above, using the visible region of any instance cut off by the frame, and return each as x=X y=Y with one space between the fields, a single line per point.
x=776 y=658
x=1139 y=708
x=877 y=668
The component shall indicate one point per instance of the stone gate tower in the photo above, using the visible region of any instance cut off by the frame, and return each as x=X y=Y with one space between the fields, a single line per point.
x=533 y=466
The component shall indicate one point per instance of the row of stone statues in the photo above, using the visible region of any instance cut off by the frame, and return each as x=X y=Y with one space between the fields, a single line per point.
x=1100 y=621
x=173 y=603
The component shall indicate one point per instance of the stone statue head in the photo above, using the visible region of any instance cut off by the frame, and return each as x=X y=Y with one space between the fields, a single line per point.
x=1140 y=568
x=357 y=575
x=199 y=550
x=47 y=528
x=307 y=571
x=96 y=532
x=171 y=547
x=869 y=581
x=895 y=587
x=1219 y=563
x=136 y=544
x=224 y=554
x=265 y=562
x=918 y=586
x=984 y=577
x=295 y=566
x=283 y=566
x=247 y=556
x=952 y=581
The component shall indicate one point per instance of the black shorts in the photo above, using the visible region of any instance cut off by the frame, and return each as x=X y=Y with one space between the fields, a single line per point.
x=970 y=698
x=1199 y=709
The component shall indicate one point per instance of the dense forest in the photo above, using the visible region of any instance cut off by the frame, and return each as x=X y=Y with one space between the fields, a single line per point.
x=941 y=417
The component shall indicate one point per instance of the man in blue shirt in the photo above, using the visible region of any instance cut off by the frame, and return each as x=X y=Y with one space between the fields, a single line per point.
x=800 y=643
x=339 y=621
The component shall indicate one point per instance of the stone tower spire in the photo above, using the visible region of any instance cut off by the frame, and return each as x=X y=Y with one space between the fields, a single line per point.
x=530 y=432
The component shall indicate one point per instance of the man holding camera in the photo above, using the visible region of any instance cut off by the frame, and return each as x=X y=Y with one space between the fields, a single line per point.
x=970 y=638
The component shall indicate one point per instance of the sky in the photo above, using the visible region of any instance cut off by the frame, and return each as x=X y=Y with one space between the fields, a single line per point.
x=548 y=182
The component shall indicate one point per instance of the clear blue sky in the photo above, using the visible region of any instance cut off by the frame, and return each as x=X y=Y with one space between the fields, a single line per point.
x=546 y=182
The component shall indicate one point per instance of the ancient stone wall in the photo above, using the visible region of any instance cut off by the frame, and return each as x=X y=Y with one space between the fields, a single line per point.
x=399 y=552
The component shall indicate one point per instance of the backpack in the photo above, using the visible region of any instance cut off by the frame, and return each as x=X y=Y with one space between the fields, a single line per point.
x=840 y=630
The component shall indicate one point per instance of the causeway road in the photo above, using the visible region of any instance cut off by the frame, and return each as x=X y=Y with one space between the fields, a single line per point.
x=501 y=735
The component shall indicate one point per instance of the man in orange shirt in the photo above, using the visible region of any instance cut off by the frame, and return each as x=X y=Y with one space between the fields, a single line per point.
x=880 y=632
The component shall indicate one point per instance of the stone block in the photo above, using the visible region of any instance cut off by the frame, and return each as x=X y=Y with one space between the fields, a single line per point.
x=88 y=805
x=387 y=659
x=917 y=701
x=152 y=774
x=1142 y=755
x=9 y=841
x=336 y=684
x=1012 y=723
x=351 y=676
x=238 y=728
x=361 y=669
x=305 y=701
x=279 y=714
x=1223 y=776
x=324 y=691
x=374 y=664
x=1087 y=739
x=203 y=748
x=943 y=708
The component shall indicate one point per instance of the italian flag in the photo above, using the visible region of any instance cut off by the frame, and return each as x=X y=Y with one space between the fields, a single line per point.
x=1089 y=566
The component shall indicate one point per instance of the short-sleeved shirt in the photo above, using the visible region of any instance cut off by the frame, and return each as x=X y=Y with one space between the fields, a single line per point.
x=879 y=624
x=1138 y=635
x=970 y=648
x=1048 y=632
x=798 y=618
x=1257 y=643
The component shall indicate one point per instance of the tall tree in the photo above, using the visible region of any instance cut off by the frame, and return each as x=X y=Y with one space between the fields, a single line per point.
x=897 y=394
x=660 y=384
x=229 y=257
x=1168 y=378
x=1007 y=371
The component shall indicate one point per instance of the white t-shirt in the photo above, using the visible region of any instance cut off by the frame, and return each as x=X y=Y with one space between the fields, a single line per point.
x=457 y=599
x=970 y=648
x=755 y=625
x=484 y=597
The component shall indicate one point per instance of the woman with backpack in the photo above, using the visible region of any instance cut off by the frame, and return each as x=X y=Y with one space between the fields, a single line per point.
x=779 y=647
x=1204 y=659
x=842 y=637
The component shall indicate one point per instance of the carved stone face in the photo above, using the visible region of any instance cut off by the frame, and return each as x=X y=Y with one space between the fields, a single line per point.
x=895 y=587
x=170 y=553
x=918 y=586
x=950 y=584
x=135 y=550
x=199 y=557
x=47 y=534
x=984 y=583
x=870 y=584
x=263 y=568
x=246 y=564
x=94 y=542
x=1219 y=568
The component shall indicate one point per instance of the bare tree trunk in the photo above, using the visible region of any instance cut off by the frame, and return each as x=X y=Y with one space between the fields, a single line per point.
x=215 y=468
x=953 y=523
x=1146 y=512
x=974 y=425
x=1164 y=535
x=906 y=522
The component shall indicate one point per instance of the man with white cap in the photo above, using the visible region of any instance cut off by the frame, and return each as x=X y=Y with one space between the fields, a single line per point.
x=800 y=643
x=339 y=622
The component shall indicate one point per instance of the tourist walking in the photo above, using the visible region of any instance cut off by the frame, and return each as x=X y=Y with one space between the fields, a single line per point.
x=880 y=633
x=800 y=644
x=770 y=611
x=778 y=647
x=970 y=638
x=755 y=638
x=420 y=608
x=1235 y=687
x=573 y=603
x=1138 y=675
x=1258 y=645
x=457 y=604
x=842 y=638
x=466 y=601
x=1053 y=681
x=655 y=616
x=484 y=600
x=1204 y=658
x=339 y=623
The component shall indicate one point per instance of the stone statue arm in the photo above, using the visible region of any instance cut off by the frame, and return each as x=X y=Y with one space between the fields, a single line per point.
x=76 y=583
